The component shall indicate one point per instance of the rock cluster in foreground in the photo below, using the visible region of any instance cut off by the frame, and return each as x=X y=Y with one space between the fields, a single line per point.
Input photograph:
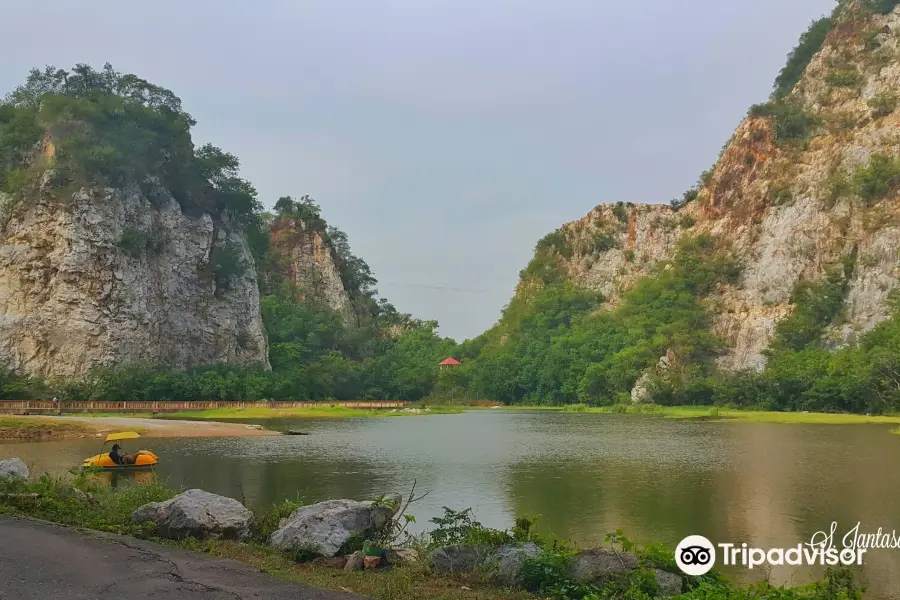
x=328 y=529
x=504 y=565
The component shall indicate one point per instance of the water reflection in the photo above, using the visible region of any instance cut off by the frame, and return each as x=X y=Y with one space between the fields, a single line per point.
x=585 y=475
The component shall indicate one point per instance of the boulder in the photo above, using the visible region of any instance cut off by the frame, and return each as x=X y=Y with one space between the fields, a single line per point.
x=324 y=528
x=509 y=560
x=600 y=564
x=669 y=584
x=13 y=468
x=354 y=561
x=457 y=559
x=199 y=514
x=402 y=556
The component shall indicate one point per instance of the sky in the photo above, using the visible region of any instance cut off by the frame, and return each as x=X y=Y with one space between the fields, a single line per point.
x=444 y=136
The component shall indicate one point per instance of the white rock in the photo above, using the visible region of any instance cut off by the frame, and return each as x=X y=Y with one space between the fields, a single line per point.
x=199 y=514
x=13 y=468
x=324 y=528
x=72 y=299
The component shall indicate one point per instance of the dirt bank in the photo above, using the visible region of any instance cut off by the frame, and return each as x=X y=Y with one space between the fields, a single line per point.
x=72 y=427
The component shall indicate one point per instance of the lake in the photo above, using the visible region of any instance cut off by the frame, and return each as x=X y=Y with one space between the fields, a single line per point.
x=770 y=485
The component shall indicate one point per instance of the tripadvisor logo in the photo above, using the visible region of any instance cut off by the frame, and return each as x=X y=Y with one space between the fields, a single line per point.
x=696 y=555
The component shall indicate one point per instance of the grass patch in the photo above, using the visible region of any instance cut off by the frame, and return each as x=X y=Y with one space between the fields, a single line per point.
x=83 y=501
x=413 y=582
x=326 y=411
x=718 y=413
x=23 y=428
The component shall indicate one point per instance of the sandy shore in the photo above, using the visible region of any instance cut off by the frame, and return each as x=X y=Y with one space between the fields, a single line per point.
x=158 y=428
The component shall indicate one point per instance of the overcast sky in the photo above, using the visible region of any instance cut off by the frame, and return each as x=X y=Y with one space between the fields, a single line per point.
x=445 y=137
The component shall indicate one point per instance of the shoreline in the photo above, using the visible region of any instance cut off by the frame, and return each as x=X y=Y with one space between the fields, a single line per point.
x=460 y=559
x=318 y=412
x=233 y=422
x=716 y=414
x=66 y=427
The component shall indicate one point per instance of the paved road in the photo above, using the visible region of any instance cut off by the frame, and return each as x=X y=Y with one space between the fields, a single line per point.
x=42 y=561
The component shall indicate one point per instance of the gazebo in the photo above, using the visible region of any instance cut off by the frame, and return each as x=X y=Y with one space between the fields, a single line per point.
x=450 y=362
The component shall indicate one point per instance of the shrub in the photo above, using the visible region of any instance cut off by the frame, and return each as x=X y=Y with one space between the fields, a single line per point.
x=603 y=242
x=555 y=241
x=883 y=104
x=689 y=196
x=227 y=265
x=836 y=187
x=791 y=122
x=460 y=527
x=883 y=6
x=816 y=305
x=620 y=212
x=781 y=195
x=266 y=522
x=133 y=242
x=844 y=77
x=811 y=43
x=686 y=222
x=876 y=180
x=19 y=133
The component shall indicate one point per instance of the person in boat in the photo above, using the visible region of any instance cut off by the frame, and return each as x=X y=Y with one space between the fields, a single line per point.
x=114 y=454
x=118 y=458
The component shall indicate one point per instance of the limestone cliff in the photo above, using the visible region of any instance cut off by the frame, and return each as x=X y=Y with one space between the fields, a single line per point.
x=788 y=205
x=310 y=262
x=116 y=276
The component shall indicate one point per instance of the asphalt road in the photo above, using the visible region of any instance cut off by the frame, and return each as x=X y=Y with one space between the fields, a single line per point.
x=42 y=561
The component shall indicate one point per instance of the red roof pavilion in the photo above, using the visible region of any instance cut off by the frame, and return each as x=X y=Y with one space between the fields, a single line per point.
x=450 y=362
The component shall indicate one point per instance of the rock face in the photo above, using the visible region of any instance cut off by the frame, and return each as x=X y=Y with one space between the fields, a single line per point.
x=324 y=528
x=780 y=208
x=119 y=276
x=198 y=514
x=13 y=468
x=641 y=390
x=310 y=263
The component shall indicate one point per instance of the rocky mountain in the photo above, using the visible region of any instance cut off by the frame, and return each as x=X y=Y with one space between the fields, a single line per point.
x=123 y=245
x=307 y=259
x=117 y=276
x=120 y=242
x=807 y=186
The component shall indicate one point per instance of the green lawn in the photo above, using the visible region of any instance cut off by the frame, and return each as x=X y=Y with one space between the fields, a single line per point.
x=719 y=414
x=23 y=428
x=306 y=413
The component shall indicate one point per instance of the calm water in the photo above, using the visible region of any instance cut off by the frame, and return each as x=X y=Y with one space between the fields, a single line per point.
x=585 y=475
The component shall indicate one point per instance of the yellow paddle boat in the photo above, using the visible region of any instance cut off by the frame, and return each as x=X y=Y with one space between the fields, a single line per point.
x=118 y=461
